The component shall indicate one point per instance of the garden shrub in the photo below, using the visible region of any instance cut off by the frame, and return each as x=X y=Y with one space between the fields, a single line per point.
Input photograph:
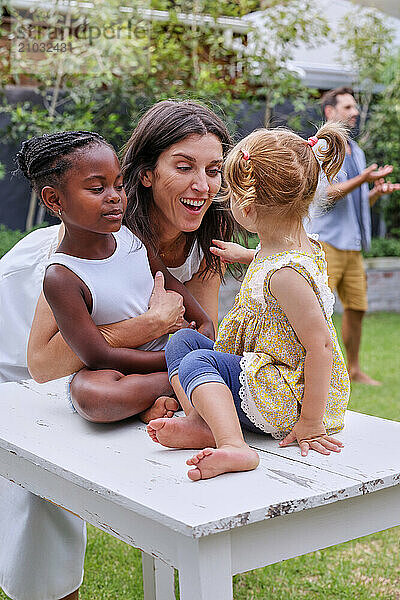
x=9 y=237
x=383 y=247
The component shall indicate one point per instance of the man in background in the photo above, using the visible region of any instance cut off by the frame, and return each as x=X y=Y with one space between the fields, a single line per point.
x=345 y=227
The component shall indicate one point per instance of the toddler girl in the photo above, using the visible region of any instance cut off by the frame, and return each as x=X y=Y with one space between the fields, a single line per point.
x=100 y=274
x=276 y=366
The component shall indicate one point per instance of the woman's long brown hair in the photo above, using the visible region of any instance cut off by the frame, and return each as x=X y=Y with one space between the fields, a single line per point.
x=164 y=124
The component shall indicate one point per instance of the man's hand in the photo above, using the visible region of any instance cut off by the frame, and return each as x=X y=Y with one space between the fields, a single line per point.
x=380 y=188
x=373 y=173
x=167 y=305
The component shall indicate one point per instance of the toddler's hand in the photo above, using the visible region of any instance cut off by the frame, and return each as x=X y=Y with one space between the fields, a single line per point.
x=229 y=252
x=311 y=436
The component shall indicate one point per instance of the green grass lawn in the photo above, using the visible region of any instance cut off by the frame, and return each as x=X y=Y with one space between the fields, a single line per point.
x=360 y=570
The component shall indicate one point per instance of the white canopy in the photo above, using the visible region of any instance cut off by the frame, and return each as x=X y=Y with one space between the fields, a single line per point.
x=390 y=7
x=324 y=66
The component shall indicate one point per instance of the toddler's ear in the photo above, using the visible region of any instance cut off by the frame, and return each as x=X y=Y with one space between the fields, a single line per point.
x=51 y=199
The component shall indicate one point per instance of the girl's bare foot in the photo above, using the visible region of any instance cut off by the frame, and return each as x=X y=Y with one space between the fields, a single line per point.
x=183 y=432
x=164 y=406
x=211 y=462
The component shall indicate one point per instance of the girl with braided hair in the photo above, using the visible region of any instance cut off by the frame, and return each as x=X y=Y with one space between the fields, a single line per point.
x=101 y=274
x=276 y=366
x=172 y=172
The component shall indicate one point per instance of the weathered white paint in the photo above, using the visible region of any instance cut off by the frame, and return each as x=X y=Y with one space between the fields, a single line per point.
x=116 y=478
x=205 y=568
x=158 y=579
x=295 y=534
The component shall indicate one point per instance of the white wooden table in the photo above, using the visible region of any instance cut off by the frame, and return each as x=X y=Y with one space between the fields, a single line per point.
x=116 y=478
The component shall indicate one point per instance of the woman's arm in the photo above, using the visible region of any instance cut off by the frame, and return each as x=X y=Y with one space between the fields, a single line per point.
x=50 y=357
x=79 y=331
x=301 y=306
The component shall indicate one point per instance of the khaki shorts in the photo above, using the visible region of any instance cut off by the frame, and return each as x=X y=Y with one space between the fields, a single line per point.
x=347 y=275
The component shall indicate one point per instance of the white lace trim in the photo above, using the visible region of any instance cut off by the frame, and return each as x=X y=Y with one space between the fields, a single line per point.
x=248 y=405
x=321 y=279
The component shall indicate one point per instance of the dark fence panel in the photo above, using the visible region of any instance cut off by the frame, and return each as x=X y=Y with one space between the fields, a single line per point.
x=14 y=189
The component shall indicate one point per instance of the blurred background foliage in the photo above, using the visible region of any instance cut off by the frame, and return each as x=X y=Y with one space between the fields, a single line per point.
x=106 y=82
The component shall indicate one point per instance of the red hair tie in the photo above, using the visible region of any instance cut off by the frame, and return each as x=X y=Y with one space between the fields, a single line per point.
x=246 y=155
x=312 y=141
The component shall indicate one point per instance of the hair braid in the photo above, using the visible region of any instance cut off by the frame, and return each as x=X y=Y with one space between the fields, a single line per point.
x=40 y=158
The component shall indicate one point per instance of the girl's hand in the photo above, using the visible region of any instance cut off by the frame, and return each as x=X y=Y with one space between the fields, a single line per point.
x=229 y=252
x=207 y=329
x=311 y=436
x=167 y=306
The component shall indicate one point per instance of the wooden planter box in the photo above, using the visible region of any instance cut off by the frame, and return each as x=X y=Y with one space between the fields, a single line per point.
x=383 y=276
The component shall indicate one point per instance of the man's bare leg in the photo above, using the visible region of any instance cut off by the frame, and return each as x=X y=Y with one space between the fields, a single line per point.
x=351 y=334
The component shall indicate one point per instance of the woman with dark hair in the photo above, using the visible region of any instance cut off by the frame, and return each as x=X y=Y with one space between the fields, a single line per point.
x=172 y=175
x=153 y=142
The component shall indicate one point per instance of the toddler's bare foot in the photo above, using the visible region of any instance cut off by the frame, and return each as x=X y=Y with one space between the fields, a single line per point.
x=164 y=406
x=184 y=432
x=211 y=462
x=360 y=377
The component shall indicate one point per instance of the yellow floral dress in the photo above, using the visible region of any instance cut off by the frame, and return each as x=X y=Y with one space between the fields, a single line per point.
x=272 y=375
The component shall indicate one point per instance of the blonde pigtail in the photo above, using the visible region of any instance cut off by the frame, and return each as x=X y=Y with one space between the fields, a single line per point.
x=239 y=167
x=332 y=154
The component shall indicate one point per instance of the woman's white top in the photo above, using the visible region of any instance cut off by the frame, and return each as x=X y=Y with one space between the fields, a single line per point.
x=21 y=277
x=120 y=285
x=191 y=265
x=42 y=547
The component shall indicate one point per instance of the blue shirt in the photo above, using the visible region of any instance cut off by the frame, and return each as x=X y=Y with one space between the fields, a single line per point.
x=346 y=224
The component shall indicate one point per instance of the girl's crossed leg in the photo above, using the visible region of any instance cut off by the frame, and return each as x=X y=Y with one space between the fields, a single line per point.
x=207 y=385
x=105 y=396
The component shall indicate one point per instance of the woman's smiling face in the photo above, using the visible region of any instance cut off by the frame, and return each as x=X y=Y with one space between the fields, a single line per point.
x=185 y=181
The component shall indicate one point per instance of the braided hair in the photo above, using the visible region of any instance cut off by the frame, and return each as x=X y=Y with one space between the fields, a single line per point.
x=42 y=159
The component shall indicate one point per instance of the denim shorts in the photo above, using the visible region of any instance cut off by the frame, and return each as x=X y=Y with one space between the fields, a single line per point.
x=191 y=355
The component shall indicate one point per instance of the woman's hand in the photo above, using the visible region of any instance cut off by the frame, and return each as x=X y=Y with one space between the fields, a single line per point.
x=229 y=252
x=167 y=306
x=311 y=435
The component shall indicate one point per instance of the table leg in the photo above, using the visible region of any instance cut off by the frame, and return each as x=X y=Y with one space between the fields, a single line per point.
x=158 y=579
x=205 y=571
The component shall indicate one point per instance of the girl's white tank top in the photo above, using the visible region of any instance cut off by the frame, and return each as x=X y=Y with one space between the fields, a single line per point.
x=120 y=285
